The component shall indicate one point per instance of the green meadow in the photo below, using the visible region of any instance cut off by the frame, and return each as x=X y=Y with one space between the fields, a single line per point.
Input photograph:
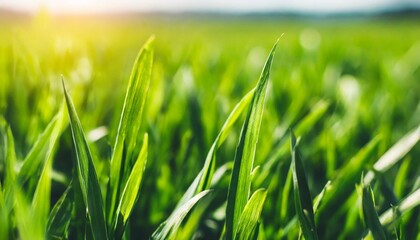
x=209 y=127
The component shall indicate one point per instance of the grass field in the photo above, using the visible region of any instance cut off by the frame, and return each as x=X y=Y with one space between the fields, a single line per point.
x=192 y=137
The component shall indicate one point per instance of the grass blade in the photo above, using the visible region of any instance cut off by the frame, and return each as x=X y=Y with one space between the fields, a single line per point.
x=409 y=202
x=248 y=223
x=129 y=125
x=27 y=226
x=89 y=183
x=316 y=113
x=240 y=184
x=394 y=154
x=204 y=178
x=4 y=217
x=60 y=216
x=10 y=160
x=370 y=216
x=42 y=148
x=41 y=199
x=318 y=199
x=131 y=191
x=303 y=199
x=342 y=185
x=168 y=228
x=6 y=195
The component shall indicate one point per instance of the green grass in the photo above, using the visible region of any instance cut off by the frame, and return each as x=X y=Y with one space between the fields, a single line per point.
x=105 y=134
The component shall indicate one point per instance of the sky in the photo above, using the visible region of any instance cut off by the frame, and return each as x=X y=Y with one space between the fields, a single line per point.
x=311 y=6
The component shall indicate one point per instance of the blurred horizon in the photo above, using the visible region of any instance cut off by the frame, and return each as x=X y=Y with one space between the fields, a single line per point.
x=218 y=6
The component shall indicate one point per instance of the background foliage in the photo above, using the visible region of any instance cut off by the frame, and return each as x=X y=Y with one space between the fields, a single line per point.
x=348 y=87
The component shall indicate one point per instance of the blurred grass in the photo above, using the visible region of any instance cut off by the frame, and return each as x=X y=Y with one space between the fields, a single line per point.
x=365 y=72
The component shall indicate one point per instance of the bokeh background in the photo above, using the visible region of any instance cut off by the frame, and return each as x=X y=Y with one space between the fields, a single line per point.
x=343 y=74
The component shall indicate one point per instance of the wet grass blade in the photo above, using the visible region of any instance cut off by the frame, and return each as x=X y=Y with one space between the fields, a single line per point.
x=60 y=216
x=167 y=229
x=240 y=184
x=125 y=144
x=131 y=191
x=303 y=199
x=248 y=223
x=88 y=179
x=370 y=216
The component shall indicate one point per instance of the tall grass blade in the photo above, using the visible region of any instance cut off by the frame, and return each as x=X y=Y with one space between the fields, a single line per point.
x=60 y=216
x=4 y=217
x=42 y=149
x=303 y=199
x=248 y=222
x=6 y=191
x=88 y=179
x=125 y=144
x=131 y=190
x=10 y=160
x=204 y=178
x=240 y=184
x=41 y=198
x=27 y=226
x=370 y=215
x=167 y=229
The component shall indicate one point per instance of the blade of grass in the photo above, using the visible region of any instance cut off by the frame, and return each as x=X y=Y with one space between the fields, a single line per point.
x=303 y=199
x=10 y=160
x=4 y=217
x=167 y=229
x=60 y=216
x=88 y=179
x=41 y=199
x=6 y=191
x=370 y=216
x=27 y=226
x=204 y=178
x=240 y=184
x=343 y=184
x=286 y=196
x=394 y=154
x=318 y=199
x=316 y=113
x=401 y=177
x=131 y=190
x=248 y=222
x=42 y=149
x=409 y=202
x=129 y=125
